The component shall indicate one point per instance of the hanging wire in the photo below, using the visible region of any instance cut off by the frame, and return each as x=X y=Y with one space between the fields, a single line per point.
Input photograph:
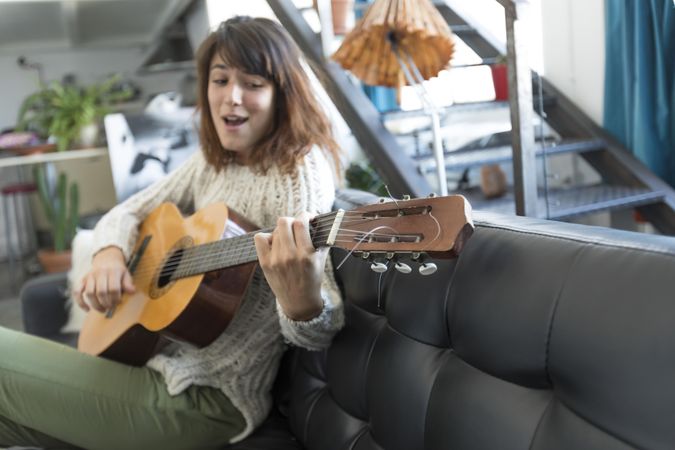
x=544 y=160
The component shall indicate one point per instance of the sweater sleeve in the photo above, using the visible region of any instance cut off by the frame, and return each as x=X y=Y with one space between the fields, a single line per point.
x=313 y=190
x=119 y=227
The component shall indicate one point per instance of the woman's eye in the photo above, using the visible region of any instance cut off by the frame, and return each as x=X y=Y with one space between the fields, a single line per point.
x=254 y=85
x=220 y=80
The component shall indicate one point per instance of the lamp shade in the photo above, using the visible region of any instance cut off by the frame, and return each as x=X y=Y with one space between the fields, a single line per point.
x=418 y=30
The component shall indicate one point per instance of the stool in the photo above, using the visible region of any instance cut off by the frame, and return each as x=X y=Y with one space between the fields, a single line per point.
x=16 y=195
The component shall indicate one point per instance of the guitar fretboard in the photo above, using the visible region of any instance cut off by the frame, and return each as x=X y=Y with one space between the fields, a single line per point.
x=233 y=251
x=216 y=255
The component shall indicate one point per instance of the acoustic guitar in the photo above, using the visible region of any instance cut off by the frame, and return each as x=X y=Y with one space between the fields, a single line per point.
x=192 y=273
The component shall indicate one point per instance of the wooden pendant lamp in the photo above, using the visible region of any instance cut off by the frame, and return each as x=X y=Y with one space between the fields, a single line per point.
x=416 y=28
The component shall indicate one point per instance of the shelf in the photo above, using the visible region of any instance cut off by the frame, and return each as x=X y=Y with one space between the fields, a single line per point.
x=39 y=158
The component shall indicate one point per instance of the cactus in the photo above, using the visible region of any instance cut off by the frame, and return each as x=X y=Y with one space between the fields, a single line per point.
x=61 y=206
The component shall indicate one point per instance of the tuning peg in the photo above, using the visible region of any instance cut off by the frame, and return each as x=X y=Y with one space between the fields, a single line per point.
x=427 y=268
x=406 y=197
x=378 y=267
x=432 y=195
x=402 y=267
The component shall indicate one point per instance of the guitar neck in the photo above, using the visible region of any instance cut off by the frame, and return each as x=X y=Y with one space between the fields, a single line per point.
x=216 y=256
x=238 y=250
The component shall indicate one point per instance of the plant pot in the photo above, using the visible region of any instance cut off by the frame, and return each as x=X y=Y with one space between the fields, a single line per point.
x=53 y=262
x=342 y=12
x=89 y=135
x=500 y=81
x=343 y=15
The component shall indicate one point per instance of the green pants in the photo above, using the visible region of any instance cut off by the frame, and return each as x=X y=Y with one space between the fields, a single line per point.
x=53 y=396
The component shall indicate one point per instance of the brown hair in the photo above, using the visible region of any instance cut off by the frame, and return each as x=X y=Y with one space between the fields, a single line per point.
x=262 y=47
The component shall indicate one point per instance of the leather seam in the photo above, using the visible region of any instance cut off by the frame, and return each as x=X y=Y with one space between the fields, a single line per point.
x=446 y=305
x=552 y=317
x=310 y=411
x=593 y=424
x=596 y=242
x=358 y=437
x=541 y=420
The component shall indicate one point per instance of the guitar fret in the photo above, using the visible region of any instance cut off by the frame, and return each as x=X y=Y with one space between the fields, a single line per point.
x=216 y=255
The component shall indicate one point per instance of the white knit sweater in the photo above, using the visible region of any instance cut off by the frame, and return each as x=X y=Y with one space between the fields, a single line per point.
x=243 y=361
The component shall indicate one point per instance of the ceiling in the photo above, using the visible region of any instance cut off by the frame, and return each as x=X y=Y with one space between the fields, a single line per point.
x=86 y=24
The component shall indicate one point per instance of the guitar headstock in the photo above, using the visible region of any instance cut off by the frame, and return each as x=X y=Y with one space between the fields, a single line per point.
x=434 y=225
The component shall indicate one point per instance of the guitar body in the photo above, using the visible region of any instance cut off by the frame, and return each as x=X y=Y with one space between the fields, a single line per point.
x=194 y=309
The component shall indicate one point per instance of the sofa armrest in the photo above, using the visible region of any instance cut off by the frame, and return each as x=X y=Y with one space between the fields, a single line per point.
x=43 y=304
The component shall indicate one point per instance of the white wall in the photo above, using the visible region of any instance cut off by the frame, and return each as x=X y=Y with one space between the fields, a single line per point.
x=574 y=51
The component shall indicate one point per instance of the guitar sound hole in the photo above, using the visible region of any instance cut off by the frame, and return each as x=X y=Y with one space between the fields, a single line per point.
x=166 y=275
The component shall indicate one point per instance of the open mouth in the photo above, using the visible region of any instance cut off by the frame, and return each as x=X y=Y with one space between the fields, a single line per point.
x=234 y=120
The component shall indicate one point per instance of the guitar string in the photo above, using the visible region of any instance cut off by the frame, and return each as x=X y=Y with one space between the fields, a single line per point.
x=357 y=244
x=322 y=225
x=244 y=240
x=247 y=240
x=191 y=262
x=245 y=243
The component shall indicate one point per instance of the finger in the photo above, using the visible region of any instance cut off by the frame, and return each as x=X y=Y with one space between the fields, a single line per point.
x=90 y=294
x=303 y=240
x=283 y=235
x=78 y=295
x=114 y=291
x=263 y=245
x=128 y=283
x=102 y=291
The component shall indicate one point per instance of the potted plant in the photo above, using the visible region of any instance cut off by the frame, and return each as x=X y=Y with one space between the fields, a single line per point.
x=500 y=78
x=64 y=111
x=60 y=204
x=362 y=175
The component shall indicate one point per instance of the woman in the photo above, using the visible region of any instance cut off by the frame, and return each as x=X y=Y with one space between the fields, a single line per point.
x=264 y=146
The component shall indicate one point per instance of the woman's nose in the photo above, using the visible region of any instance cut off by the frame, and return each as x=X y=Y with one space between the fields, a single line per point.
x=234 y=94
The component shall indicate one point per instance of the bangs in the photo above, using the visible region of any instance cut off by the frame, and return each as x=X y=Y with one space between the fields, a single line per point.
x=244 y=53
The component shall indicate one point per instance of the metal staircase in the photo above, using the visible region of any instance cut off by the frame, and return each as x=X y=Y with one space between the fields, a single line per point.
x=625 y=182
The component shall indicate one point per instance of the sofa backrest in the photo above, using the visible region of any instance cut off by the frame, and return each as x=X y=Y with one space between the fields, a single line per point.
x=541 y=335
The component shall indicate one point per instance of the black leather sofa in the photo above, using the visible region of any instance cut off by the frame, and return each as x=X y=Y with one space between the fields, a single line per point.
x=541 y=335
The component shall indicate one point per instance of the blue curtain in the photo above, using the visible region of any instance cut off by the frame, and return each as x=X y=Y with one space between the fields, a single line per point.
x=639 y=107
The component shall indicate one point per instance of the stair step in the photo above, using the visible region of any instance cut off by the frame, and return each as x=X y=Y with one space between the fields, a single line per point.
x=462 y=29
x=565 y=203
x=476 y=157
x=459 y=107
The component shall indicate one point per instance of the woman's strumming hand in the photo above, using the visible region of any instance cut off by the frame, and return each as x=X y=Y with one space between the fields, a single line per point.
x=108 y=279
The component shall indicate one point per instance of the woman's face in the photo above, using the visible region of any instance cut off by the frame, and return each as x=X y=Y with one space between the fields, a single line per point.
x=242 y=107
